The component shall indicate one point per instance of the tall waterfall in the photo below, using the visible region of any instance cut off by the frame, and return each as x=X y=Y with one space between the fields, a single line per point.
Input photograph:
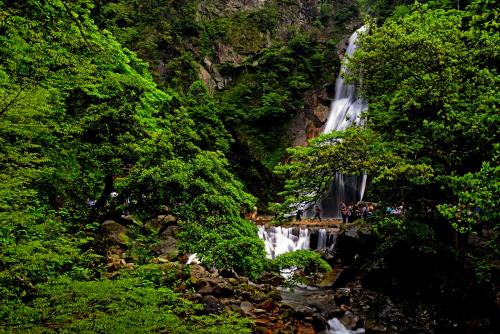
x=345 y=110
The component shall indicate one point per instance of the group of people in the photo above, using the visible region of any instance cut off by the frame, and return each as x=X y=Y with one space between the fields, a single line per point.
x=317 y=213
x=397 y=210
x=351 y=212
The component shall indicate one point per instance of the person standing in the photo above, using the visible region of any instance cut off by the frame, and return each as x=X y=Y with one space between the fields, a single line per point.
x=317 y=211
x=298 y=215
x=343 y=212
x=350 y=214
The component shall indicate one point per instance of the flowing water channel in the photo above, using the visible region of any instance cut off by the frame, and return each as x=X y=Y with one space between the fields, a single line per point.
x=280 y=240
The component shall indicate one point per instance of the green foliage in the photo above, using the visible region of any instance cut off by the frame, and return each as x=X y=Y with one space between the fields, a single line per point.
x=309 y=261
x=226 y=243
x=192 y=189
x=80 y=118
x=412 y=236
x=311 y=169
x=204 y=111
x=433 y=105
x=269 y=62
x=36 y=248
x=113 y=306
x=477 y=198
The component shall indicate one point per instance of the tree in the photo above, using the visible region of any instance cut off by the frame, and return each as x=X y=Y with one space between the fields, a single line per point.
x=428 y=80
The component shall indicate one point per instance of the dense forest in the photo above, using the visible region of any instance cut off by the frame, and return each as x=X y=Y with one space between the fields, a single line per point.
x=134 y=133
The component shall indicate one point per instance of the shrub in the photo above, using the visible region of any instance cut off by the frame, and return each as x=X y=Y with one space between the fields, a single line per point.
x=113 y=306
x=307 y=260
x=225 y=244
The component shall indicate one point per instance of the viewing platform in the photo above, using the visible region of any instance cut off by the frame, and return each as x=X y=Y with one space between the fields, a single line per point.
x=305 y=222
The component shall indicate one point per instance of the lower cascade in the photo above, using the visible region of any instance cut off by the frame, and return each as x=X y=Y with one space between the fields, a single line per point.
x=279 y=240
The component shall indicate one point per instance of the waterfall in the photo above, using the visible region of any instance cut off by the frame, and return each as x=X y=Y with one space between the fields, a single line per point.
x=345 y=110
x=322 y=239
x=279 y=240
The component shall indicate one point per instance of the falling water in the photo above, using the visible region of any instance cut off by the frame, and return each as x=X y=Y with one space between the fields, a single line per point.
x=322 y=239
x=280 y=240
x=346 y=110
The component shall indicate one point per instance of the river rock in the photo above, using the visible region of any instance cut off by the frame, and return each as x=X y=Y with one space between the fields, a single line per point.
x=247 y=307
x=211 y=304
x=267 y=304
x=304 y=328
x=349 y=320
x=372 y=327
x=328 y=279
x=114 y=232
x=167 y=248
x=197 y=272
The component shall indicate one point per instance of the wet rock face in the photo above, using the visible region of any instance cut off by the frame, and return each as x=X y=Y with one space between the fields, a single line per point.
x=354 y=243
x=309 y=122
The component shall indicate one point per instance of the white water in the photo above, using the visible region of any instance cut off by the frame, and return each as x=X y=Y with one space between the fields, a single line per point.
x=322 y=239
x=280 y=240
x=346 y=110
x=193 y=259
x=336 y=327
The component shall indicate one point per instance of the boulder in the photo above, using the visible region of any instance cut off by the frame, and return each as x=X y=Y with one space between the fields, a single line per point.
x=347 y=274
x=206 y=289
x=114 y=232
x=373 y=327
x=211 y=304
x=170 y=231
x=197 y=272
x=161 y=222
x=167 y=248
x=349 y=320
x=247 y=307
x=222 y=289
x=272 y=278
x=355 y=242
x=328 y=279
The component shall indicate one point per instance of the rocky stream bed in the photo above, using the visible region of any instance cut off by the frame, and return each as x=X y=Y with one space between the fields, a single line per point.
x=362 y=293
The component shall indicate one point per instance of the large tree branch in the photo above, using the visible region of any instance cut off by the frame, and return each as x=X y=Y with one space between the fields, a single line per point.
x=11 y=102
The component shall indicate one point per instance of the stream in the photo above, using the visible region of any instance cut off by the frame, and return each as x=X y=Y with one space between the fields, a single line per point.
x=305 y=299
